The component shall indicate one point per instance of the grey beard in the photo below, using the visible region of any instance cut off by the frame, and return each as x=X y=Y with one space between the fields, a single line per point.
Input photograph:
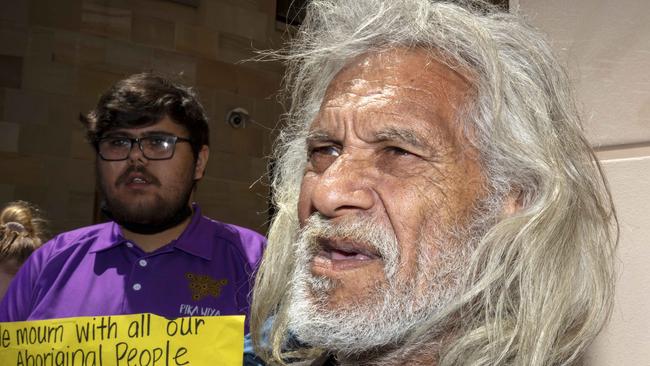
x=386 y=314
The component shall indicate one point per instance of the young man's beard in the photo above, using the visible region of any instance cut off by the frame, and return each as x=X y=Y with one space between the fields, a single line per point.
x=387 y=313
x=153 y=217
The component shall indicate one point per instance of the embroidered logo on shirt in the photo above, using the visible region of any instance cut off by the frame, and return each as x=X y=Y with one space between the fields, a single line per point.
x=203 y=285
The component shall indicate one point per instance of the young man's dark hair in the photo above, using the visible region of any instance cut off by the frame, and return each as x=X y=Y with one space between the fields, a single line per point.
x=142 y=100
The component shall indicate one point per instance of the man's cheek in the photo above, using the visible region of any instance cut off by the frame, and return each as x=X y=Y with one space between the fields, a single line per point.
x=351 y=290
x=304 y=199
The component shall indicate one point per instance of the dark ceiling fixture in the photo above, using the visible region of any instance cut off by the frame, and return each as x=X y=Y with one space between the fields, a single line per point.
x=291 y=12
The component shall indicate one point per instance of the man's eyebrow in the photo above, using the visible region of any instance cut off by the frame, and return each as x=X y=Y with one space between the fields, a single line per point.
x=407 y=136
x=158 y=133
x=126 y=133
x=318 y=136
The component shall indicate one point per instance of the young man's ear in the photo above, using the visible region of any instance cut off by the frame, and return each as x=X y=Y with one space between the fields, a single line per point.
x=201 y=162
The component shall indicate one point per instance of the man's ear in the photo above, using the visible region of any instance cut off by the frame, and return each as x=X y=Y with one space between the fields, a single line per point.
x=201 y=162
x=514 y=202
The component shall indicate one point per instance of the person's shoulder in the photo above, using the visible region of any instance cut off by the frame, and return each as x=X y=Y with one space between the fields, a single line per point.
x=84 y=236
x=236 y=233
x=65 y=246
x=248 y=241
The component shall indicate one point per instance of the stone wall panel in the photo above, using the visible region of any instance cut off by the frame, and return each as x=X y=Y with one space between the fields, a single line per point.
x=57 y=57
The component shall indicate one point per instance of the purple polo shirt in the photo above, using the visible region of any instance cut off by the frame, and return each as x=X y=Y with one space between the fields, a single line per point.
x=94 y=270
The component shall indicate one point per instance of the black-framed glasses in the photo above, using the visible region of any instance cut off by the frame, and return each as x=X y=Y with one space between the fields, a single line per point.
x=154 y=147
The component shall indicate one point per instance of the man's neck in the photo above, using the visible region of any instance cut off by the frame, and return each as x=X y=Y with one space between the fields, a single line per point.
x=151 y=242
x=418 y=361
x=422 y=354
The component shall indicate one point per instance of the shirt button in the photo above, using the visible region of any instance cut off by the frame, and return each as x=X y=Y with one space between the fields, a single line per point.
x=137 y=287
x=128 y=244
x=142 y=263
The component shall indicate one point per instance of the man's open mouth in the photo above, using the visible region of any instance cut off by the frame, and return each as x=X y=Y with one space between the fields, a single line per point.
x=341 y=254
x=137 y=180
x=136 y=176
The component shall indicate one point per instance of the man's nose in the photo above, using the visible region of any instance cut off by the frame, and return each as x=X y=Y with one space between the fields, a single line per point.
x=347 y=186
x=136 y=155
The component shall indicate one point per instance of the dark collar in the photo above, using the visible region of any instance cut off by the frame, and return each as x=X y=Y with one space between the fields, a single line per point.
x=325 y=359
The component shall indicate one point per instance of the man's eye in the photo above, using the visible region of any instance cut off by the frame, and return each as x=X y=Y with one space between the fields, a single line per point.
x=119 y=142
x=324 y=150
x=321 y=157
x=398 y=151
x=158 y=142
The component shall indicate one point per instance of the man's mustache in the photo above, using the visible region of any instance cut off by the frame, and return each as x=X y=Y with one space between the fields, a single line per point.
x=366 y=230
x=124 y=177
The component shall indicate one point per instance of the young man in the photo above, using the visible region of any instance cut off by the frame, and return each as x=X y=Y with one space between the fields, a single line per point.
x=158 y=254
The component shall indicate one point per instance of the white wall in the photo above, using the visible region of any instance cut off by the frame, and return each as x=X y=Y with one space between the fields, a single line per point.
x=606 y=46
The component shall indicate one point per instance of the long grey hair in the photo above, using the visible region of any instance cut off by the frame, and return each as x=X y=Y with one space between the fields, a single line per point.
x=540 y=284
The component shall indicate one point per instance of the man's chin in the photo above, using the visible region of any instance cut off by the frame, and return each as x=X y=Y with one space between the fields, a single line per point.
x=348 y=327
x=329 y=297
x=137 y=217
x=358 y=317
x=142 y=210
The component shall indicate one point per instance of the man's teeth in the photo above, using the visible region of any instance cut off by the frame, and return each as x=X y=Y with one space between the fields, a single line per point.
x=139 y=181
x=338 y=255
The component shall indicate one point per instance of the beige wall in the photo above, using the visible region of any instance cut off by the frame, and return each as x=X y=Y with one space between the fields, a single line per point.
x=606 y=45
x=56 y=57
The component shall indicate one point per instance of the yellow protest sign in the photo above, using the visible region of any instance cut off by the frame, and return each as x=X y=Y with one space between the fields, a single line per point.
x=124 y=340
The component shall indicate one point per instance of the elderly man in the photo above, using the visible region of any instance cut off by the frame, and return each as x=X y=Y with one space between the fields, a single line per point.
x=438 y=202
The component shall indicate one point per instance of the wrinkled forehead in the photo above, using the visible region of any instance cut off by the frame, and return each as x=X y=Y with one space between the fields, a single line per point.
x=415 y=73
x=399 y=87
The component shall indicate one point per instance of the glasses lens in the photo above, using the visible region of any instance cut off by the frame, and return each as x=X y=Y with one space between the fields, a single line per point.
x=158 y=147
x=114 y=148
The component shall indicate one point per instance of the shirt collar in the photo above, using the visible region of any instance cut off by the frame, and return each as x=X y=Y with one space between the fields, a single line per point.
x=194 y=240
x=109 y=238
